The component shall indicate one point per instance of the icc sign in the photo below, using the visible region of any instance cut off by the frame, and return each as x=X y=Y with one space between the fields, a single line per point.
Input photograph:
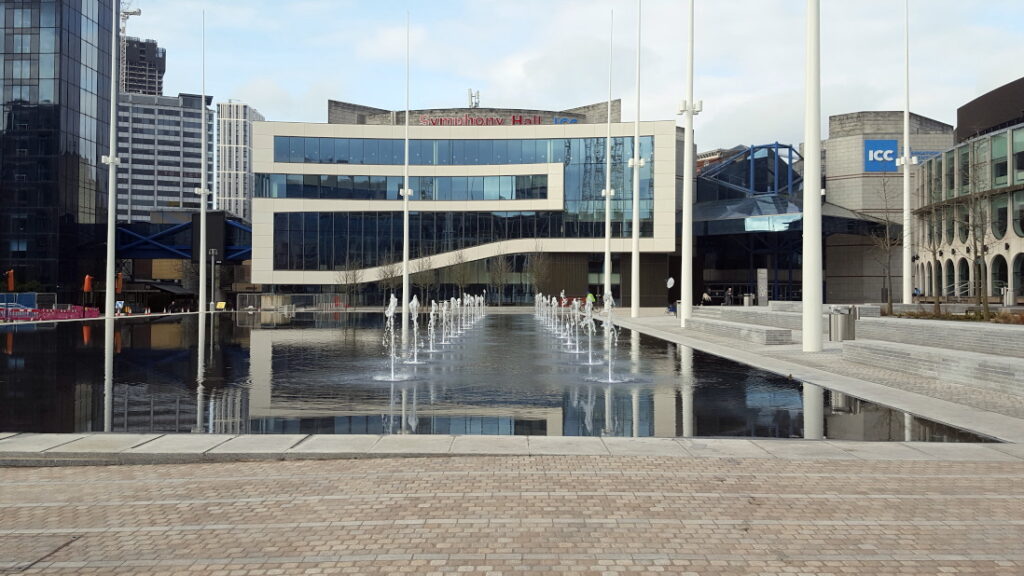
x=880 y=155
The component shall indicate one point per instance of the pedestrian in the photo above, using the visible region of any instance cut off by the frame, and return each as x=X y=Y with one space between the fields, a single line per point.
x=728 y=297
x=705 y=298
x=590 y=297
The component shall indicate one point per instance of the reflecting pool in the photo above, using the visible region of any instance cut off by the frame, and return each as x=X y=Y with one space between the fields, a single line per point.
x=327 y=373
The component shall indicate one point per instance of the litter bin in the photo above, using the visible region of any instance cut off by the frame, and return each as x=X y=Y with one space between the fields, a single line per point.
x=748 y=299
x=841 y=324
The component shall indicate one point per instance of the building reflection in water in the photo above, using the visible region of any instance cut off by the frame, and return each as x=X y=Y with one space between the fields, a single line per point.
x=277 y=373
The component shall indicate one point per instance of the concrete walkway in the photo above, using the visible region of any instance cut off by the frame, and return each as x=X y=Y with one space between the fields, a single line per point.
x=769 y=513
x=988 y=413
x=103 y=449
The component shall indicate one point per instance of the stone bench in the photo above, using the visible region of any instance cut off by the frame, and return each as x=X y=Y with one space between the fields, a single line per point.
x=984 y=371
x=764 y=335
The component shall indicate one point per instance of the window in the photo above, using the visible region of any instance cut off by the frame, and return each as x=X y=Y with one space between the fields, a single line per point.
x=22 y=17
x=1018 y=156
x=1018 y=213
x=980 y=177
x=999 y=215
x=999 y=164
x=949 y=183
x=22 y=44
x=964 y=170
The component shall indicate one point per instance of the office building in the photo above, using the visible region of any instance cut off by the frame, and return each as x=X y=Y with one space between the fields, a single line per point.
x=235 y=178
x=54 y=98
x=861 y=175
x=969 y=233
x=159 y=143
x=143 y=67
x=487 y=183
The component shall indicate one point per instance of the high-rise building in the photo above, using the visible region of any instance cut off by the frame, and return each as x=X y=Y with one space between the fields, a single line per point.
x=144 y=65
x=54 y=101
x=159 y=143
x=234 y=157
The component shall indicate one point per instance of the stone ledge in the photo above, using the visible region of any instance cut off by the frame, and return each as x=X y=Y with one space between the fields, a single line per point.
x=747 y=332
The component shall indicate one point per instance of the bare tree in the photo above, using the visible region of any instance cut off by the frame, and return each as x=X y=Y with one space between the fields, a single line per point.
x=500 y=271
x=885 y=241
x=390 y=275
x=350 y=278
x=425 y=278
x=460 y=271
x=538 y=266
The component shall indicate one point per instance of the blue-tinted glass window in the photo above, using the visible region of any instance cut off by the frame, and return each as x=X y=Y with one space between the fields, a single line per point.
x=294 y=186
x=491 y=187
x=379 y=187
x=310 y=186
x=443 y=152
x=355 y=151
x=476 y=187
x=371 y=149
x=329 y=186
x=312 y=150
x=281 y=153
x=326 y=150
x=344 y=186
x=460 y=188
x=394 y=184
x=296 y=148
x=506 y=185
x=361 y=187
x=341 y=151
x=277 y=186
x=444 y=189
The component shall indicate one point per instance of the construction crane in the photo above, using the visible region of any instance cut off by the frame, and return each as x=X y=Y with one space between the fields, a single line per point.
x=126 y=13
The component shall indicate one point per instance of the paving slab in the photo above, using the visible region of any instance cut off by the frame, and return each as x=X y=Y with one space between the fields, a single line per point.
x=36 y=442
x=723 y=448
x=103 y=443
x=6 y=435
x=413 y=444
x=960 y=452
x=880 y=450
x=335 y=444
x=804 y=450
x=505 y=445
x=182 y=444
x=566 y=445
x=644 y=447
x=1011 y=449
x=258 y=444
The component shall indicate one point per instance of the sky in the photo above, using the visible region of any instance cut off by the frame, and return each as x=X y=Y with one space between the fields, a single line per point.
x=286 y=58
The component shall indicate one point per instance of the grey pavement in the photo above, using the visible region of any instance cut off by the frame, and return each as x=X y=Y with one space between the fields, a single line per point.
x=100 y=448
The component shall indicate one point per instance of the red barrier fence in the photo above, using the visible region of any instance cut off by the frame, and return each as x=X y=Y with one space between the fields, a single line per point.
x=46 y=314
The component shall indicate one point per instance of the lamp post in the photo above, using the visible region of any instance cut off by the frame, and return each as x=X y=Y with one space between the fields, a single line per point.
x=812 y=294
x=689 y=109
x=636 y=163
x=202 y=191
x=406 y=192
x=608 y=192
x=908 y=280
x=111 y=160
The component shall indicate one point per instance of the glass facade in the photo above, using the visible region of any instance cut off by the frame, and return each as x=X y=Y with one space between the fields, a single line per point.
x=332 y=240
x=389 y=152
x=54 y=91
x=349 y=187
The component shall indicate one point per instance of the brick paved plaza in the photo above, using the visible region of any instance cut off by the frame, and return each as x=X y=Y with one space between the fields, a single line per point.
x=517 y=514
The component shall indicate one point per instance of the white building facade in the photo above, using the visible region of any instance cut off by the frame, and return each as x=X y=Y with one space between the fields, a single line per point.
x=485 y=183
x=234 y=157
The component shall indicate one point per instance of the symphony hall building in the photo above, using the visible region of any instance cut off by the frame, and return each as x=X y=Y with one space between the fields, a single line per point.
x=486 y=183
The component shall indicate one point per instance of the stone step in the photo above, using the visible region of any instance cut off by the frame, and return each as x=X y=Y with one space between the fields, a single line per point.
x=983 y=371
x=764 y=335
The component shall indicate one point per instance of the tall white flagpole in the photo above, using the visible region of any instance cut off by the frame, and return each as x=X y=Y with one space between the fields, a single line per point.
x=812 y=280
x=608 y=192
x=634 y=279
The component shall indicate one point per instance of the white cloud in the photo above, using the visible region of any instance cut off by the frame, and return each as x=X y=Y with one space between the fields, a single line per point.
x=289 y=58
